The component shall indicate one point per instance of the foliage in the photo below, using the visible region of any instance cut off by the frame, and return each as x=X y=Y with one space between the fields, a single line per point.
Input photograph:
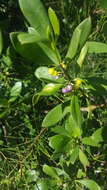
x=52 y=102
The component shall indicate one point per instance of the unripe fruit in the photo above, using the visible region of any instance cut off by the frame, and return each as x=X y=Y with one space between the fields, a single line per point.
x=50 y=89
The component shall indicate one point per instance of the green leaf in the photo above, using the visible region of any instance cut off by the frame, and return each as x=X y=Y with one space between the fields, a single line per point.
x=89 y=141
x=95 y=138
x=36 y=15
x=82 y=55
x=42 y=185
x=58 y=143
x=90 y=184
x=54 y=21
x=91 y=47
x=72 y=127
x=79 y=37
x=35 y=98
x=97 y=47
x=83 y=158
x=1 y=42
x=97 y=135
x=15 y=91
x=85 y=27
x=50 y=89
x=25 y=38
x=74 y=155
x=36 y=52
x=53 y=116
x=50 y=171
x=43 y=74
x=60 y=130
x=73 y=47
x=66 y=111
x=32 y=30
x=75 y=111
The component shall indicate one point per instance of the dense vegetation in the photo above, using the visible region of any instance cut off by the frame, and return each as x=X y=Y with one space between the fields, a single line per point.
x=53 y=95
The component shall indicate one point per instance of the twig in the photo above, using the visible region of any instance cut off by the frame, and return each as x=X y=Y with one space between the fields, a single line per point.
x=91 y=107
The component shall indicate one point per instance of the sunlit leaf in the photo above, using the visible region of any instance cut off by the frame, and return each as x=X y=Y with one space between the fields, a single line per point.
x=72 y=50
x=82 y=55
x=83 y=158
x=97 y=47
x=50 y=171
x=74 y=155
x=54 y=21
x=53 y=116
x=90 y=184
x=36 y=15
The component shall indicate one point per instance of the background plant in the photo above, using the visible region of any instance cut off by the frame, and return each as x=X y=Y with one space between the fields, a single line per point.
x=27 y=160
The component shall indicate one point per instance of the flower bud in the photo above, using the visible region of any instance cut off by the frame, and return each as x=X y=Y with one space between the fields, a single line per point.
x=52 y=72
x=78 y=82
x=67 y=89
x=63 y=65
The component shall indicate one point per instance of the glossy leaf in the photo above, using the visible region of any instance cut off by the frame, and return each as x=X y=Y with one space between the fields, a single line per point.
x=36 y=15
x=54 y=21
x=53 y=116
x=73 y=47
x=83 y=158
x=1 y=42
x=90 y=184
x=42 y=73
x=36 y=52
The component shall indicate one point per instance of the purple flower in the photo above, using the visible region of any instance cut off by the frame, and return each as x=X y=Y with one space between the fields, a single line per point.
x=67 y=89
